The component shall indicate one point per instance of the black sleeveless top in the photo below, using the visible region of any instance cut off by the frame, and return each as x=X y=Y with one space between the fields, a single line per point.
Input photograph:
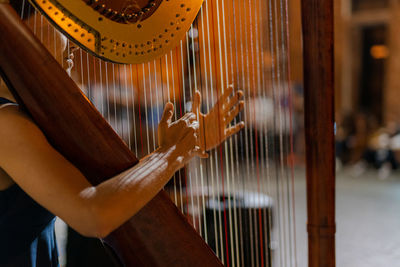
x=27 y=237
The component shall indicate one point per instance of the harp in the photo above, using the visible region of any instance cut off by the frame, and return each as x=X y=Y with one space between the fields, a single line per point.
x=146 y=240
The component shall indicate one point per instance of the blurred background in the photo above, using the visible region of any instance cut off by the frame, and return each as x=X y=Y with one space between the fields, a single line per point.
x=367 y=94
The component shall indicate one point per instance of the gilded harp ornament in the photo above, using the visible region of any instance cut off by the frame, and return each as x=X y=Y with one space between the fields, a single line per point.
x=123 y=31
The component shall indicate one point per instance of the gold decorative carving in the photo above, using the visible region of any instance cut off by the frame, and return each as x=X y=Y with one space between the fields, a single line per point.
x=157 y=28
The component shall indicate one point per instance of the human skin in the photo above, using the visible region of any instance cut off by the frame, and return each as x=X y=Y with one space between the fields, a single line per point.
x=52 y=181
x=26 y=158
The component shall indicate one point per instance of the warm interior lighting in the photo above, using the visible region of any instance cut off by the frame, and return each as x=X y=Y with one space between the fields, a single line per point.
x=379 y=51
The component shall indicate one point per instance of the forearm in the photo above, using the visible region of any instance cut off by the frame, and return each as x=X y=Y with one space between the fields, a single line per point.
x=57 y=185
x=116 y=200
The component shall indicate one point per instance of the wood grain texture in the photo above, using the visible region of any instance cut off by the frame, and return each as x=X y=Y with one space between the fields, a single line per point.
x=317 y=19
x=158 y=235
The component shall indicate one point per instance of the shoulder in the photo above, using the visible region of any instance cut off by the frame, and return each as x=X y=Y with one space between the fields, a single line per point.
x=13 y=124
x=16 y=130
x=10 y=117
x=14 y=121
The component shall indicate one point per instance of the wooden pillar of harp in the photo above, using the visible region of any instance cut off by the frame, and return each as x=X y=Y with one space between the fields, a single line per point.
x=319 y=121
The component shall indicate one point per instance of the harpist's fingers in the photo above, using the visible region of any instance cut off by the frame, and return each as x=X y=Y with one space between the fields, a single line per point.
x=167 y=114
x=201 y=154
x=234 y=129
x=233 y=101
x=228 y=91
x=234 y=112
x=196 y=102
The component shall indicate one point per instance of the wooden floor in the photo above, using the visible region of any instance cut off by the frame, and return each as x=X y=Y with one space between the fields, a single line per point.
x=368 y=220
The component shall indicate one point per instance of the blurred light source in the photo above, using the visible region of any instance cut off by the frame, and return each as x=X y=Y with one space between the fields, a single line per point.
x=379 y=51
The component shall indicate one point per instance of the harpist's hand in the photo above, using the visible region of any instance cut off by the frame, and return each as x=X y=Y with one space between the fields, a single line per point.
x=180 y=135
x=215 y=125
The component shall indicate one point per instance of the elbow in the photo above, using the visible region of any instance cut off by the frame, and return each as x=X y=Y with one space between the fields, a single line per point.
x=99 y=224
x=94 y=225
x=100 y=231
x=93 y=220
x=102 y=227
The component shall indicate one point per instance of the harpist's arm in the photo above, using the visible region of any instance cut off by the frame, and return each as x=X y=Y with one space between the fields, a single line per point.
x=58 y=186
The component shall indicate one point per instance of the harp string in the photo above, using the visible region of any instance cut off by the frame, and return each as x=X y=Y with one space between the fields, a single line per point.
x=228 y=147
x=194 y=166
x=248 y=133
x=259 y=88
x=218 y=152
x=263 y=153
x=192 y=169
x=228 y=82
x=288 y=129
x=179 y=107
x=280 y=59
x=55 y=45
x=127 y=109
x=101 y=88
x=203 y=82
x=151 y=105
x=260 y=151
x=242 y=134
x=234 y=171
x=175 y=179
x=94 y=83
x=185 y=173
x=35 y=23
x=178 y=176
x=282 y=129
x=229 y=48
x=248 y=130
x=273 y=146
x=199 y=164
x=117 y=99
x=257 y=223
x=264 y=141
x=214 y=157
x=124 y=117
x=88 y=86
x=277 y=126
x=132 y=96
x=291 y=162
x=139 y=101
x=204 y=165
x=284 y=140
x=259 y=256
x=145 y=107
x=22 y=15
x=214 y=181
x=204 y=91
x=229 y=176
